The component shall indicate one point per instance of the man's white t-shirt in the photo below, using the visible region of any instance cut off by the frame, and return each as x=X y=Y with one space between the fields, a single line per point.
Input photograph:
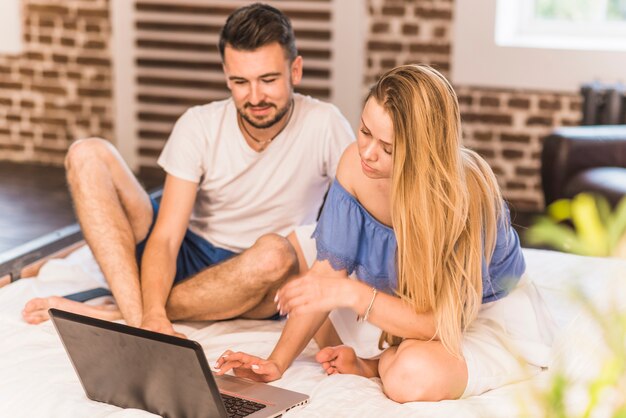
x=243 y=194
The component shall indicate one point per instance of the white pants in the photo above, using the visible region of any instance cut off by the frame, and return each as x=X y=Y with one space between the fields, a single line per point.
x=509 y=341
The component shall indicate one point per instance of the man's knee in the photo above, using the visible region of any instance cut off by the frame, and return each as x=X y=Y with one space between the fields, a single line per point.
x=87 y=149
x=275 y=256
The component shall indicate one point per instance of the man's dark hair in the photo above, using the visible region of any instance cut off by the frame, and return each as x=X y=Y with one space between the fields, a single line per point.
x=256 y=25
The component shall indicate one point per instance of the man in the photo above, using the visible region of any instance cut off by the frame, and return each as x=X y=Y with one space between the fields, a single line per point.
x=241 y=174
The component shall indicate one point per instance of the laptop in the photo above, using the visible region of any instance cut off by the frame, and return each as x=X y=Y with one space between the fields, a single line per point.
x=134 y=368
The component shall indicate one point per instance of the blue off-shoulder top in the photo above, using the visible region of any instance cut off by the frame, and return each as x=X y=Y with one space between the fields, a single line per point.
x=350 y=238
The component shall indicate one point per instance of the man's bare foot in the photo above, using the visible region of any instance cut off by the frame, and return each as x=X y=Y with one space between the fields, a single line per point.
x=36 y=310
x=342 y=359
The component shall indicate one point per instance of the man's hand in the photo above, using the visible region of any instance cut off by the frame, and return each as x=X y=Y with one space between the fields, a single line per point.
x=160 y=324
x=314 y=293
x=246 y=365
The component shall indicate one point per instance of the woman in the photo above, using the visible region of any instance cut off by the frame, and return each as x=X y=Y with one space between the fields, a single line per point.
x=421 y=223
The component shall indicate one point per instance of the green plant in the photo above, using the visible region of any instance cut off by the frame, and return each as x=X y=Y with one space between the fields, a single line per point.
x=584 y=225
x=605 y=392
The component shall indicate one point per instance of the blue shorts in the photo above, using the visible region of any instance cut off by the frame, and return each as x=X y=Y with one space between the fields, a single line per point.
x=195 y=254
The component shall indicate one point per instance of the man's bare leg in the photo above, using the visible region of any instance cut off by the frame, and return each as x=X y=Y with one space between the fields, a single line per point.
x=38 y=309
x=115 y=214
x=243 y=286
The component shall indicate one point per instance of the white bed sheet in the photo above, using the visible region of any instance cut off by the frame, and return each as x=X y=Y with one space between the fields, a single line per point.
x=37 y=379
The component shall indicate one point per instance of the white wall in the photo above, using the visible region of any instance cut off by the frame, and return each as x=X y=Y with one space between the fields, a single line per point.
x=10 y=27
x=478 y=61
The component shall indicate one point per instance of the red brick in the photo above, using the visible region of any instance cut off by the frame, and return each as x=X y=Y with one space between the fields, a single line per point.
x=104 y=62
x=27 y=72
x=553 y=104
x=47 y=88
x=380 y=27
x=485 y=152
x=51 y=9
x=35 y=56
x=68 y=42
x=94 y=92
x=512 y=154
x=388 y=63
x=46 y=23
x=489 y=101
x=408 y=29
x=440 y=32
x=60 y=59
x=384 y=46
x=515 y=185
x=515 y=138
x=429 y=48
x=487 y=118
x=465 y=99
x=539 y=120
x=12 y=147
x=526 y=171
x=44 y=39
x=94 y=45
x=393 y=11
x=519 y=103
x=10 y=85
x=101 y=13
x=483 y=136
x=432 y=13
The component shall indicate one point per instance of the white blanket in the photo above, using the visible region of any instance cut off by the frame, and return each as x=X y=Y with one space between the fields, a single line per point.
x=37 y=379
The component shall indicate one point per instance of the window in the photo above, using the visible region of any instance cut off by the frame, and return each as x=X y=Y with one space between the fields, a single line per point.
x=564 y=24
x=10 y=27
x=552 y=45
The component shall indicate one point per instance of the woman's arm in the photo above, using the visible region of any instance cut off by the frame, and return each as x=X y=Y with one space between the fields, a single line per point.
x=315 y=293
x=298 y=331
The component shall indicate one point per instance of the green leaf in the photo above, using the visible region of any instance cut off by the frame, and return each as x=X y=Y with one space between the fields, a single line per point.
x=587 y=222
x=560 y=210
x=604 y=209
x=616 y=227
x=546 y=232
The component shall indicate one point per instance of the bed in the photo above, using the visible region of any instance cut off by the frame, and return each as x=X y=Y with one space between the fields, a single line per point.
x=37 y=379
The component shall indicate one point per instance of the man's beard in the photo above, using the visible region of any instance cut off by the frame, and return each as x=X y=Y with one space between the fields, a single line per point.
x=264 y=125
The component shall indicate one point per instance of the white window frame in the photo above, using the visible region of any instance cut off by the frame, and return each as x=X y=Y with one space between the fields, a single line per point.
x=478 y=59
x=517 y=26
x=11 y=27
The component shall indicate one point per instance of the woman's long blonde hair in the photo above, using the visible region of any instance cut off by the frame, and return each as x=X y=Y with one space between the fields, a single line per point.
x=445 y=202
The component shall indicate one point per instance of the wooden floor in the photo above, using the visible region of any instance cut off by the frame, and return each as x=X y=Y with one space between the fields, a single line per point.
x=35 y=201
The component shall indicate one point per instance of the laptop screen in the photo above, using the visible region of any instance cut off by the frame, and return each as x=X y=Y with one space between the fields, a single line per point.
x=135 y=368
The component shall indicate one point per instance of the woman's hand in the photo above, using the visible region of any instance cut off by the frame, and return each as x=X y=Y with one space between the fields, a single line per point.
x=314 y=293
x=246 y=365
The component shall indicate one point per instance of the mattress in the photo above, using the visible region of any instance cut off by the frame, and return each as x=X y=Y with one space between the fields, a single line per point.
x=37 y=379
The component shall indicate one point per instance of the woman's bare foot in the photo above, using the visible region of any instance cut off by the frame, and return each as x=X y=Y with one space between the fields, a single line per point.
x=36 y=310
x=343 y=360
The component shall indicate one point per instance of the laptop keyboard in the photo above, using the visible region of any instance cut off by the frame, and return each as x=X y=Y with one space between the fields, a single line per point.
x=238 y=407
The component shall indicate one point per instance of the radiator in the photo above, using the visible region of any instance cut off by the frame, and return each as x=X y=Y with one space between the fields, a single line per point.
x=603 y=104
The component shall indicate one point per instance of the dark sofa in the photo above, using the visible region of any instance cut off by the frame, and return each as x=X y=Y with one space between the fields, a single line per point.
x=584 y=159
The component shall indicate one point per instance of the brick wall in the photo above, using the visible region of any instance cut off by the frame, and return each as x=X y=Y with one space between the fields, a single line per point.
x=505 y=126
x=59 y=88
